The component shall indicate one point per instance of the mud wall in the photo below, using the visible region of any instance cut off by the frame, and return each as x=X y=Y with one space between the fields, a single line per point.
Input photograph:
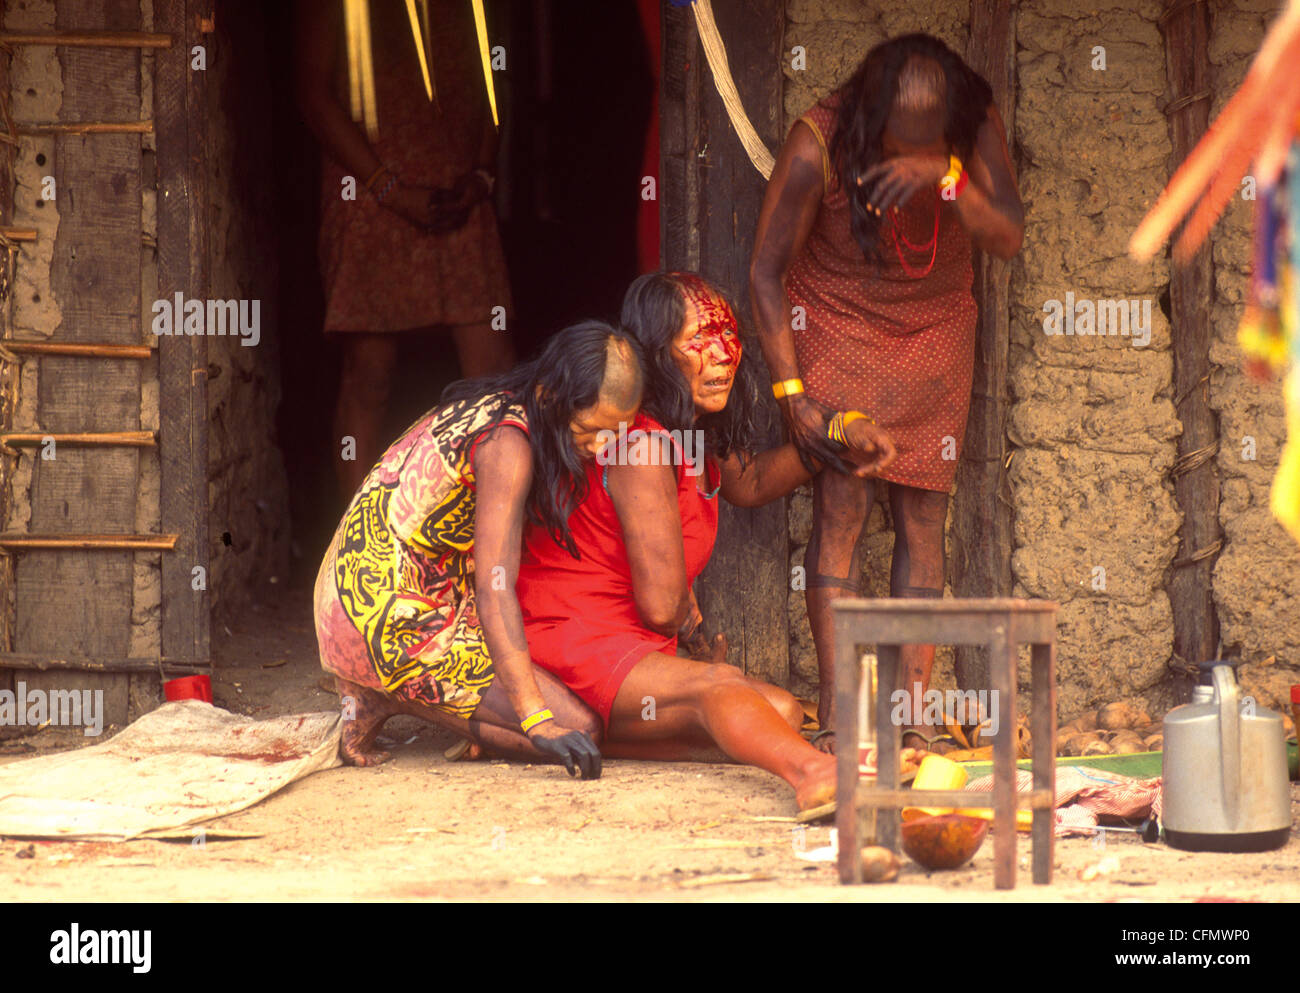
x=1092 y=423
x=1092 y=418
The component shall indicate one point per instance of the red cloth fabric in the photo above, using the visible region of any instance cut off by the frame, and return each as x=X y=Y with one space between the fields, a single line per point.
x=579 y=615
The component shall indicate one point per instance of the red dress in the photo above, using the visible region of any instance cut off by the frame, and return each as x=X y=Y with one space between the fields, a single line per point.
x=898 y=346
x=579 y=615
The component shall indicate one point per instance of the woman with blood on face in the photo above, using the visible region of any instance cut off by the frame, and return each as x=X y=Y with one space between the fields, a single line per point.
x=608 y=624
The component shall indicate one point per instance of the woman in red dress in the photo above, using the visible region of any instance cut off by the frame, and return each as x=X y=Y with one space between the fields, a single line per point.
x=861 y=282
x=607 y=624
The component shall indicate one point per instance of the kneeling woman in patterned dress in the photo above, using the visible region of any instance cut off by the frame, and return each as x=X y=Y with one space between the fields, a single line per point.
x=415 y=600
x=608 y=623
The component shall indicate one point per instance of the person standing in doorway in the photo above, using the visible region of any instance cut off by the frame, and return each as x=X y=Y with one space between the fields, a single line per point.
x=861 y=285
x=416 y=245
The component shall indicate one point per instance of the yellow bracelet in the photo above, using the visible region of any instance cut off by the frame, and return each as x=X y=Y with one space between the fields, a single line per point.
x=835 y=429
x=787 y=387
x=531 y=721
x=954 y=172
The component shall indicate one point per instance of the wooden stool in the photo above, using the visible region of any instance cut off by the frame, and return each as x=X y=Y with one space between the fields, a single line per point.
x=1001 y=624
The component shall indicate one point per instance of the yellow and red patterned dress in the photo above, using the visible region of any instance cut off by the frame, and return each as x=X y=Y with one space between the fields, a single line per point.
x=394 y=597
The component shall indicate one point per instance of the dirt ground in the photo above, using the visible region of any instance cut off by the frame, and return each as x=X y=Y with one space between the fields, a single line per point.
x=423 y=828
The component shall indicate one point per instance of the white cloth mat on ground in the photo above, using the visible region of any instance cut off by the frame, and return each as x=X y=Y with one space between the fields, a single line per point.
x=182 y=764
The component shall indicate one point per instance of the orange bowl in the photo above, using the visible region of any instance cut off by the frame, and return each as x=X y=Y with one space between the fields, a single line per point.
x=944 y=842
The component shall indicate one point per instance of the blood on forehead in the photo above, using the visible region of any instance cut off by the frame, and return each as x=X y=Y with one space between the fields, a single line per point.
x=713 y=320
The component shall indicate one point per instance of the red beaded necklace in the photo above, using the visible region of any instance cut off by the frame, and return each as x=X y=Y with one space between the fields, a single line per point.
x=933 y=245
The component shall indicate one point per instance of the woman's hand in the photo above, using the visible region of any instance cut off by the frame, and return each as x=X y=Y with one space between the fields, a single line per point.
x=410 y=202
x=439 y=210
x=808 y=419
x=870 y=447
x=690 y=635
x=892 y=182
x=451 y=206
x=575 y=749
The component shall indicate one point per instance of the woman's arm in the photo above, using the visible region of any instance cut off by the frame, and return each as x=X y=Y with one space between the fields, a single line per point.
x=503 y=469
x=645 y=498
x=990 y=207
x=318 y=29
x=762 y=478
x=759 y=479
x=789 y=210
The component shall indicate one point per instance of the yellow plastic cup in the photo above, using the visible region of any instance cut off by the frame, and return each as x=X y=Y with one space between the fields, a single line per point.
x=935 y=773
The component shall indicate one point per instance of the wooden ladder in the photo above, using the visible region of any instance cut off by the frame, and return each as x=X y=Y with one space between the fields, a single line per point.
x=181 y=372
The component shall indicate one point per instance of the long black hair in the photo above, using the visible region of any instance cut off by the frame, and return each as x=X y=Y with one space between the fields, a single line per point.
x=570 y=371
x=865 y=104
x=654 y=309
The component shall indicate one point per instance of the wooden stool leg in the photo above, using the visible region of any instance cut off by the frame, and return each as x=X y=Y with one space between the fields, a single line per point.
x=1002 y=673
x=1043 y=658
x=848 y=822
x=887 y=742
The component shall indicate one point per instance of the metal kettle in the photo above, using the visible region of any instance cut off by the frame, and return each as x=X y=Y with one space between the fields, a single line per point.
x=1225 y=777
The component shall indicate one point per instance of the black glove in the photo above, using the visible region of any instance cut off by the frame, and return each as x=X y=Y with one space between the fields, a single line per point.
x=570 y=748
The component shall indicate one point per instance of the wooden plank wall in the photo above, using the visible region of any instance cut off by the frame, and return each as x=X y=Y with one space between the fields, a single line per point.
x=981 y=524
x=79 y=603
x=712 y=197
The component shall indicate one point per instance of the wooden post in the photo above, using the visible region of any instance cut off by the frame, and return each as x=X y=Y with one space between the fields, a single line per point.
x=981 y=527
x=712 y=198
x=180 y=112
x=679 y=246
x=9 y=377
x=1196 y=476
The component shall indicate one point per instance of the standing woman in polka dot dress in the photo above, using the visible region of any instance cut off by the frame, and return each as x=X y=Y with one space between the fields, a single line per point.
x=861 y=285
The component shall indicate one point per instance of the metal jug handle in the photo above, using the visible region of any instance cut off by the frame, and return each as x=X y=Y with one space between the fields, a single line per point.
x=1229 y=694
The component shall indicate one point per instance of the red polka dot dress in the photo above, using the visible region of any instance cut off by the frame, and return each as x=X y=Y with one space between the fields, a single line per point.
x=894 y=344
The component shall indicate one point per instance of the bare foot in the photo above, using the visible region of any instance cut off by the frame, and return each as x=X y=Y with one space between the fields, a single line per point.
x=464 y=751
x=364 y=713
x=924 y=739
x=823 y=741
x=816 y=787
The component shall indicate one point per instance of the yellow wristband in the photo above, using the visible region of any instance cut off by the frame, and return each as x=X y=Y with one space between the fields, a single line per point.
x=787 y=387
x=856 y=415
x=532 y=720
x=835 y=429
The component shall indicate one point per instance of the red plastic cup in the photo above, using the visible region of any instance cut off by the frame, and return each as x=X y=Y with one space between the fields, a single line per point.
x=189 y=688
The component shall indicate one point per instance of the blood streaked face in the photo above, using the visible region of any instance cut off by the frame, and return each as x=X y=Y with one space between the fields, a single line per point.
x=707 y=349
